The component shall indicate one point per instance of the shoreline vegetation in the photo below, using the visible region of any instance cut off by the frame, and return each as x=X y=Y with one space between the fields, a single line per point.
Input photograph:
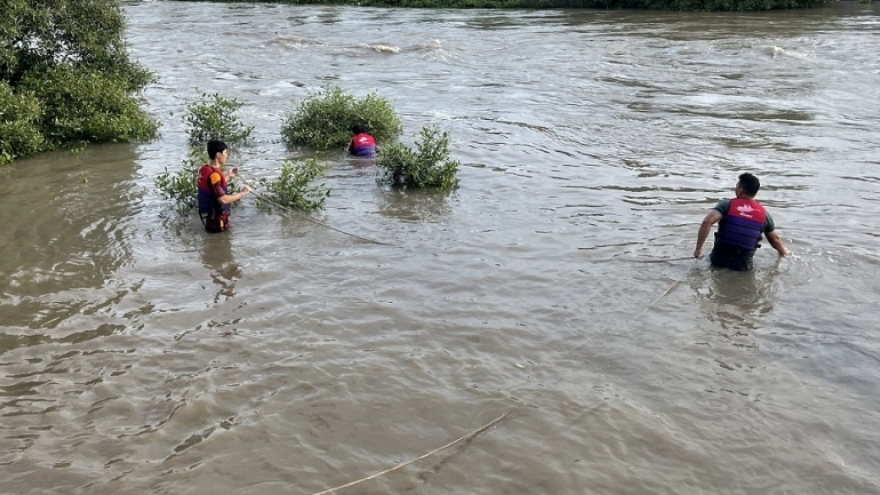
x=66 y=79
x=673 y=5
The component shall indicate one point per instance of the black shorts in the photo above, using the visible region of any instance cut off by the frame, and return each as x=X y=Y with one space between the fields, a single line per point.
x=216 y=224
x=730 y=257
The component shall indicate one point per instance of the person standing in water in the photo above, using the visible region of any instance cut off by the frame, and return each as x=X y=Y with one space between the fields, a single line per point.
x=743 y=222
x=362 y=144
x=214 y=197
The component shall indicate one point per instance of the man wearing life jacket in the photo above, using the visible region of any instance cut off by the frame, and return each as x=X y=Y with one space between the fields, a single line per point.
x=362 y=144
x=743 y=222
x=214 y=197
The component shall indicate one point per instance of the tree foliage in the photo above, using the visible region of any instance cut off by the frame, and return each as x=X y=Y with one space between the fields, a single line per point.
x=82 y=105
x=19 y=124
x=209 y=117
x=182 y=185
x=426 y=166
x=213 y=117
x=324 y=119
x=66 y=76
x=295 y=187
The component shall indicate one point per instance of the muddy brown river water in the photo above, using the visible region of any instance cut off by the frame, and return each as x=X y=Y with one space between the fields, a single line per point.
x=139 y=355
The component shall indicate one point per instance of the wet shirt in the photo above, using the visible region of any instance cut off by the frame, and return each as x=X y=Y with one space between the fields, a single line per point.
x=216 y=182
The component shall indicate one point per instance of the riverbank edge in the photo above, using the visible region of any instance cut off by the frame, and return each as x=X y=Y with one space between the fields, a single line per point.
x=672 y=5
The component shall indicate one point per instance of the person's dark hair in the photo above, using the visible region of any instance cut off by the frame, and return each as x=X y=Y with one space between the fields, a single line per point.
x=750 y=184
x=215 y=147
x=358 y=129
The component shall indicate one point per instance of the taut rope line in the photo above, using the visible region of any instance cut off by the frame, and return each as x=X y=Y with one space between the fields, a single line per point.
x=304 y=217
x=395 y=468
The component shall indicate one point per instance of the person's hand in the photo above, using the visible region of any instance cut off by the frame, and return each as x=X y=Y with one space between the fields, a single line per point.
x=233 y=172
x=246 y=189
x=698 y=253
x=784 y=252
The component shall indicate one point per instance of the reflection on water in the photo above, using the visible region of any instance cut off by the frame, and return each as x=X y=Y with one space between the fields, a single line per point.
x=70 y=213
x=735 y=300
x=68 y=231
x=413 y=206
x=363 y=167
x=216 y=252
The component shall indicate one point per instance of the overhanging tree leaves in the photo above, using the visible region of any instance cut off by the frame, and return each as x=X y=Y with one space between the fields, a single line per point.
x=70 y=56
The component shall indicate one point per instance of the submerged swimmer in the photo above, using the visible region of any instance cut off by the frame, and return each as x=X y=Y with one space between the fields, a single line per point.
x=362 y=144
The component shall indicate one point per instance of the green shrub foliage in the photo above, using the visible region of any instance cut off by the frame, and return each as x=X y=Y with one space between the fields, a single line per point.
x=82 y=105
x=324 y=119
x=213 y=117
x=19 y=124
x=426 y=166
x=209 y=117
x=182 y=186
x=295 y=188
x=66 y=76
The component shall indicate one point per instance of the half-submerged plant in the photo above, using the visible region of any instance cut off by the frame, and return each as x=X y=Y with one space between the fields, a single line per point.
x=426 y=166
x=182 y=186
x=295 y=187
x=213 y=117
x=210 y=117
x=324 y=119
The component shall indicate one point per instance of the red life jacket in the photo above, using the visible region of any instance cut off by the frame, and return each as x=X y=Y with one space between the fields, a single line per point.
x=214 y=214
x=743 y=224
x=363 y=145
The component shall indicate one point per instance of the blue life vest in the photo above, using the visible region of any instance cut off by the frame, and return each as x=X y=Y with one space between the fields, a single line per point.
x=743 y=225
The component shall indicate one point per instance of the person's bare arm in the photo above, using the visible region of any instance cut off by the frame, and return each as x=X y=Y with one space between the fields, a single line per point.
x=226 y=199
x=775 y=240
x=711 y=219
x=232 y=198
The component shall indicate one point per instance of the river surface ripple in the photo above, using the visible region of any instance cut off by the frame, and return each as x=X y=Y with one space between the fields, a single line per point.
x=139 y=355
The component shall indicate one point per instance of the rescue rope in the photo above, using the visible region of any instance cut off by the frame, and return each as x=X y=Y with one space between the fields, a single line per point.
x=661 y=260
x=404 y=464
x=649 y=260
x=667 y=291
x=586 y=342
x=304 y=217
x=671 y=287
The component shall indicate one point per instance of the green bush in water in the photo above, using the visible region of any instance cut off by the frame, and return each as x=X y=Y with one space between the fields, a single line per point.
x=71 y=57
x=427 y=166
x=295 y=187
x=213 y=117
x=19 y=124
x=209 y=117
x=183 y=186
x=324 y=119
x=82 y=105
